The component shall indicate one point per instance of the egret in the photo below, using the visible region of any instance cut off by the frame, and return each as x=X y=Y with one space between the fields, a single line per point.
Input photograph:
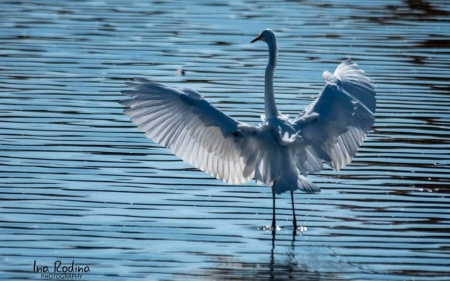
x=281 y=151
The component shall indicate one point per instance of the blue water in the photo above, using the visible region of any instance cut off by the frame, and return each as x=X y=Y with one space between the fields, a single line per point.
x=80 y=183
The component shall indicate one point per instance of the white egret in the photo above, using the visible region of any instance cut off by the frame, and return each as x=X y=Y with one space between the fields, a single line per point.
x=281 y=151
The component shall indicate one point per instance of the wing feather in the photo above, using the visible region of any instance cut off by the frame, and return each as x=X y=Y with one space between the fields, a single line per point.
x=336 y=123
x=193 y=129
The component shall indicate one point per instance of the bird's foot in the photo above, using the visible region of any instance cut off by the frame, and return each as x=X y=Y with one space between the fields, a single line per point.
x=300 y=228
x=269 y=228
x=275 y=227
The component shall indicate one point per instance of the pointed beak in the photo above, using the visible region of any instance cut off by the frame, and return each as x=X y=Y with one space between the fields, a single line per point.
x=256 y=39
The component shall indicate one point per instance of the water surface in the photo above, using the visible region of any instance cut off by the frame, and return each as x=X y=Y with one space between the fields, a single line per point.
x=79 y=182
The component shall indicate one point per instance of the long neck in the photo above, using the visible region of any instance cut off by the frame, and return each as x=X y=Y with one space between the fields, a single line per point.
x=269 y=98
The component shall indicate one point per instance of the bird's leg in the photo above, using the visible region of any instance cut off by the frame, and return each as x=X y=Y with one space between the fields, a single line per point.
x=293 y=212
x=274 y=223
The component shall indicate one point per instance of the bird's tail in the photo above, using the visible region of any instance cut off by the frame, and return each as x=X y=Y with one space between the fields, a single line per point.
x=294 y=182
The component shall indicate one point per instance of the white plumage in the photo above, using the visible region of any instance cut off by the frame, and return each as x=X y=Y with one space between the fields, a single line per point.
x=281 y=151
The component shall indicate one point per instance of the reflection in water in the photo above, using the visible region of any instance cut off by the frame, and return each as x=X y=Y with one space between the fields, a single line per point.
x=278 y=266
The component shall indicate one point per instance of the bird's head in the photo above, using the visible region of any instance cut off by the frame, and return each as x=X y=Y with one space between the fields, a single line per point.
x=267 y=35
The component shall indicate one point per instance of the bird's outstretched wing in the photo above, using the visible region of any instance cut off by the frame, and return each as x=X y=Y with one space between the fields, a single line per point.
x=192 y=128
x=336 y=123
